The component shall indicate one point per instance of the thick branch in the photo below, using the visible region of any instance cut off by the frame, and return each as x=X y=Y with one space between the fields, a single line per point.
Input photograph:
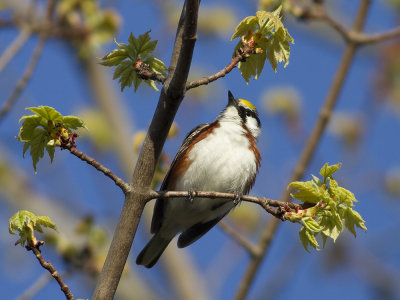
x=171 y=96
x=125 y=187
x=309 y=149
x=49 y=267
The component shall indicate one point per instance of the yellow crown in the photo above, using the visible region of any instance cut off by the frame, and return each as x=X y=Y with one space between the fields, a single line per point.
x=247 y=103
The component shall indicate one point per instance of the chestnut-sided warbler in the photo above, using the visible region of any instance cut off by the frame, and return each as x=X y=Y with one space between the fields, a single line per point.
x=220 y=156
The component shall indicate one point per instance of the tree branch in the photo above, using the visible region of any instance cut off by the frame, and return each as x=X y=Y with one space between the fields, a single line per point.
x=14 y=47
x=144 y=72
x=171 y=96
x=308 y=151
x=49 y=267
x=242 y=241
x=263 y=202
x=125 y=187
x=308 y=14
x=241 y=55
x=9 y=103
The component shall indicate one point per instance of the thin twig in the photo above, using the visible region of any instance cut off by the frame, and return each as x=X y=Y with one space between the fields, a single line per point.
x=125 y=187
x=309 y=149
x=143 y=71
x=240 y=56
x=242 y=241
x=308 y=14
x=9 y=103
x=49 y=267
x=14 y=47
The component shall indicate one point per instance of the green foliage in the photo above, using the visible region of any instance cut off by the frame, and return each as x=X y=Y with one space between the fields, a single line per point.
x=26 y=223
x=44 y=130
x=270 y=38
x=333 y=209
x=124 y=58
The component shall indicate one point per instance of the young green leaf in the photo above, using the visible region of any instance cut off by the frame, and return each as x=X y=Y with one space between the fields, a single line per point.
x=269 y=38
x=39 y=141
x=353 y=218
x=125 y=57
x=246 y=25
x=29 y=125
x=72 y=122
x=311 y=224
x=307 y=238
x=330 y=228
x=327 y=170
x=332 y=211
x=45 y=129
x=47 y=113
x=307 y=192
x=25 y=223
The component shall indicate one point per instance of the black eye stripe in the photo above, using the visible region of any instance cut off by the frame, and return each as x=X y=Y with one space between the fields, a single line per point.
x=244 y=113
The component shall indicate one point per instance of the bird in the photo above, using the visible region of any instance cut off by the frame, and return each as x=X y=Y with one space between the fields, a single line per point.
x=220 y=156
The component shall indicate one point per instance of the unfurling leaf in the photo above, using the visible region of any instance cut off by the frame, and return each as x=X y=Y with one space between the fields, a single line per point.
x=46 y=129
x=270 y=39
x=333 y=209
x=306 y=191
x=327 y=171
x=307 y=238
x=26 y=223
x=125 y=57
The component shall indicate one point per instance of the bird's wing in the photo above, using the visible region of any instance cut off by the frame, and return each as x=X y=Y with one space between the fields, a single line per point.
x=195 y=232
x=168 y=184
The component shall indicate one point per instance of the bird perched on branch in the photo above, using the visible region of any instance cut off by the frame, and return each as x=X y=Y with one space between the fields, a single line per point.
x=220 y=156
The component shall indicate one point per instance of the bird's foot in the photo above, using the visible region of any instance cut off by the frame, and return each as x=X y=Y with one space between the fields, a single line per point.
x=192 y=195
x=236 y=200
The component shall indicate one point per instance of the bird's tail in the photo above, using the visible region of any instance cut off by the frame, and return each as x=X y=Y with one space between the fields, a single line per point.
x=153 y=250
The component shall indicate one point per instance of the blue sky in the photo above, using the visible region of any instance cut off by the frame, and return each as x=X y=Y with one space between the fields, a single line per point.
x=60 y=81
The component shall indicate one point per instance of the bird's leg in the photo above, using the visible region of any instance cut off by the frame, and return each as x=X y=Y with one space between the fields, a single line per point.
x=236 y=200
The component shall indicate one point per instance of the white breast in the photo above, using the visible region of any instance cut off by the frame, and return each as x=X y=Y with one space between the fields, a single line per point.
x=221 y=162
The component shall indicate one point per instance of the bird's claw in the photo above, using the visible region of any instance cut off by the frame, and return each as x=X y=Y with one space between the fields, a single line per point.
x=236 y=200
x=192 y=195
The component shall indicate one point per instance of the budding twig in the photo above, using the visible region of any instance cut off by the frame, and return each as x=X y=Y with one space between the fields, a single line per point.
x=143 y=71
x=240 y=55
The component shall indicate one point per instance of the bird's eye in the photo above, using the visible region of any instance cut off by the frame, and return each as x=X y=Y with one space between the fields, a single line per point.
x=248 y=113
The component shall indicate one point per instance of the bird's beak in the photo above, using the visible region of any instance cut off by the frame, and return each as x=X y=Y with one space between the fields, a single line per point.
x=231 y=99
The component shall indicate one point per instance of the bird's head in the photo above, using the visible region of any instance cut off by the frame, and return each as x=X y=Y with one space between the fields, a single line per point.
x=241 y=111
